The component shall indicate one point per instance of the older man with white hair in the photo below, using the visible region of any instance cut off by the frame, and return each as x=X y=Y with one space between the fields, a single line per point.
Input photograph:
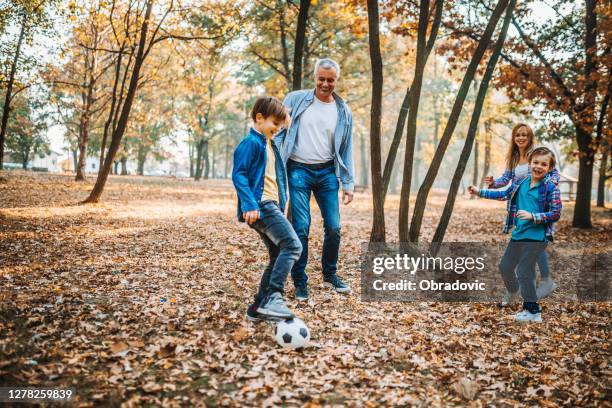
x=318 y=150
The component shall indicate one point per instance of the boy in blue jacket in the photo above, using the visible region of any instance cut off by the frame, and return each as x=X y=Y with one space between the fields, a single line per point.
x=534 y=205
x=260 y=180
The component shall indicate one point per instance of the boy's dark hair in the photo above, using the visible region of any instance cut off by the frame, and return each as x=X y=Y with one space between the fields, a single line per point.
x=269 y=106
x=543 y=151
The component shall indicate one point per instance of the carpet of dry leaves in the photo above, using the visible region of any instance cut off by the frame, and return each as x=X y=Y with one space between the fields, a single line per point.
x=80 y=306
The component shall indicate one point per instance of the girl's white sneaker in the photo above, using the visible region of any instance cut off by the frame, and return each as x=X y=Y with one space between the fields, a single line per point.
x=545 y=288
x=526 y=316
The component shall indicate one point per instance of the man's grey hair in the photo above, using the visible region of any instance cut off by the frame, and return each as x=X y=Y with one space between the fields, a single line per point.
x=327 y=63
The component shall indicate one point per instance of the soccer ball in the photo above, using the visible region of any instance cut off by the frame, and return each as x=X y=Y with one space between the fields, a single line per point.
x=292 y=333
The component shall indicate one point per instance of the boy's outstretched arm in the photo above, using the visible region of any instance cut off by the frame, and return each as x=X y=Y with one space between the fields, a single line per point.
x=555 y=209
x=243 y=157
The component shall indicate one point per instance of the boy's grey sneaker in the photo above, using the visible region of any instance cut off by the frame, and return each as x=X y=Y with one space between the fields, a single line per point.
x=508 y=299
x=526 y=316
x=336 y=284
x=252 y=315
x=301 y=293
x=274 y=306
x=545 y=288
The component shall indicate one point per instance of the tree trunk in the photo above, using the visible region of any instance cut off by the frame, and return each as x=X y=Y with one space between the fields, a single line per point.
x=206 y=161
x=6 y=110
x=395 y=143
x=363 y=161
x=605 y=148
x=305 y=65
x=118 y=132
x=112 y=109
x=142 y=158
x=83 y=139
x=124 y=166
x=199 y=156
x=472 y=132
x=212 y=163
x=25 y=159
x=403 y=114
x=115 y=167
x=74 y=158
x=415 y=97
x=84 y=134
x=226 y=161
x=88 y=100
x=283 y=38
x=432 y=172
x=601 y=183
x=378 y=221
x=582 y=210
x=475 y=169
x=487 y=154
x=417 y=162
x=141 y=166
x=436 y=111
x=190 y=146
x=300 y=36
x=585 y=126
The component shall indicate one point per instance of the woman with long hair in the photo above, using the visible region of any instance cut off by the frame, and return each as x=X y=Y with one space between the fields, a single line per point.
x=517 y=168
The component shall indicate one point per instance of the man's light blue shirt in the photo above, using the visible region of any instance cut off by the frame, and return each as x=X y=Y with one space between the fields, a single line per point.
x=298 y=102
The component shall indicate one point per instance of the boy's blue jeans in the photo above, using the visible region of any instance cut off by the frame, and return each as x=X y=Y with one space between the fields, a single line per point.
x=522 y=257
x=303 y=182
x=283 y=245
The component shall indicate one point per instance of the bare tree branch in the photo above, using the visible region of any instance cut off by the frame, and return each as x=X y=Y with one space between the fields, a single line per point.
x=267 y=62
x=553 y=73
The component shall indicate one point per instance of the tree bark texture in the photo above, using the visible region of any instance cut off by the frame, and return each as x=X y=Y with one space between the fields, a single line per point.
x=432 y=172
x=472 y=132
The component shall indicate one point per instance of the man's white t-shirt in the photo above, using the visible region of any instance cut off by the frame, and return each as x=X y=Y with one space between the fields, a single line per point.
x=315 y=139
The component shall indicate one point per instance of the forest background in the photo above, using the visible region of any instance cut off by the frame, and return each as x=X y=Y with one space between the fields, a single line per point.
x=165 y=87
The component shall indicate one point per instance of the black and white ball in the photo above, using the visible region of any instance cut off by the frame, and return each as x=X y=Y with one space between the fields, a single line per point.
x=292 y=333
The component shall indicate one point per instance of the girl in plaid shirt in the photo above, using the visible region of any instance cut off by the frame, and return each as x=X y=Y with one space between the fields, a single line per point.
x=534 y=204
x=517 y=168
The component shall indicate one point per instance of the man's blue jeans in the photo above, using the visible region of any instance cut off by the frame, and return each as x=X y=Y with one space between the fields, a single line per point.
x=303 y=182
x=522 y=257
x=283 y=245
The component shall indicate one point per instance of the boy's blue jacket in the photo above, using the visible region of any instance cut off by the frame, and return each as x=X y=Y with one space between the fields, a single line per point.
x=297 y=102
x=549 y=202
x=249 y=171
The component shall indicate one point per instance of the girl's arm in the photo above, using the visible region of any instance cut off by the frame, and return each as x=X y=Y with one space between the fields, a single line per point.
x=554 y=212
x=503 y=180
x=502 y=195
